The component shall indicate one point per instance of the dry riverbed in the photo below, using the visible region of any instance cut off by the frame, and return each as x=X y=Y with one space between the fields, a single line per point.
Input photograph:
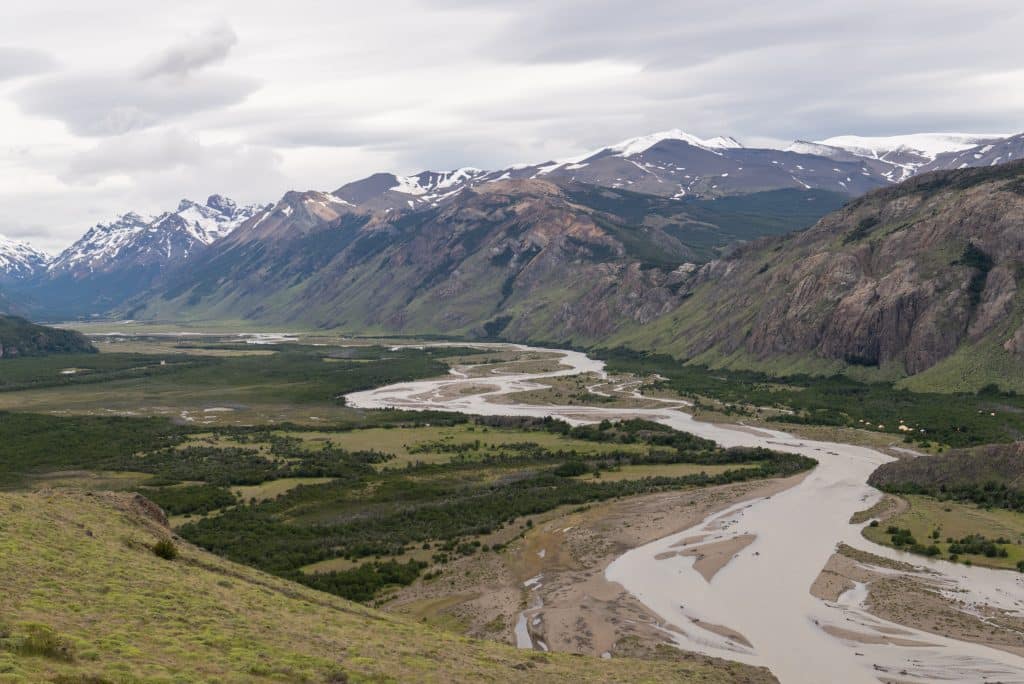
x=554 y=576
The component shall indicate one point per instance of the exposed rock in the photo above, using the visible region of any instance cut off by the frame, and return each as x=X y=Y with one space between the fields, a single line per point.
x=902 y=276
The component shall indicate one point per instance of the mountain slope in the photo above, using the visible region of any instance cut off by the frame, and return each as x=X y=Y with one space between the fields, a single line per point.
x=918 y=279
x=526 y=258
x=19 y=337
x=201 y=618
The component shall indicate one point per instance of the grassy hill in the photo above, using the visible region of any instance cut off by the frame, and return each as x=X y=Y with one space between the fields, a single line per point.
x=86 y=600
x=989 y=475
x=19 y=337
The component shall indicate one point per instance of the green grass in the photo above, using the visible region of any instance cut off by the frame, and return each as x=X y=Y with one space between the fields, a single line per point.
x=85 y=599
x=297 y=383
x=271 y=489
x=433 y=444
x=639 y=472
x=959 y=420
x=957 y=520
x=447 y=493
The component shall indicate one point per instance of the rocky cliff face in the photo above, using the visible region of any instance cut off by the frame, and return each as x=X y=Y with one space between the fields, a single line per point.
x=903 y=277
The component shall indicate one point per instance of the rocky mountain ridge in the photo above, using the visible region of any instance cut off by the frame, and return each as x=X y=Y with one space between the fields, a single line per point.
x=511 y=257
x=919 y=279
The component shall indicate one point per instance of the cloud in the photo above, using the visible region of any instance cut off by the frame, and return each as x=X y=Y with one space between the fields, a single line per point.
x=15 y=62
x=113 y=103
x=201 y=50
x=146 y=171
x=171 y=86
x=170 y=152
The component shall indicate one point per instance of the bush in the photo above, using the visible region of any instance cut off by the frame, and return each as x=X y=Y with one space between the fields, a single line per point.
x=40 y=640
x=571 y=469
x=165 y=549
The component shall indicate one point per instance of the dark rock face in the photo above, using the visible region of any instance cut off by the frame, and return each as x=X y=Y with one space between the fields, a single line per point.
x=902 y=276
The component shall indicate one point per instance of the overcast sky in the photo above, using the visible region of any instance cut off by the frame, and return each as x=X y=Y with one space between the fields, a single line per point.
x=112 y=105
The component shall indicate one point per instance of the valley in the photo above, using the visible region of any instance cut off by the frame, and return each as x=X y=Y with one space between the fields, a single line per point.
x=374 y=343
x=528 y=496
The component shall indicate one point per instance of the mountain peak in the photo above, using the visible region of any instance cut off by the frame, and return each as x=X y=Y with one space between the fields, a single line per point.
x=19 y=259
x=927 y=145
x=224 y=205
x=643 y=143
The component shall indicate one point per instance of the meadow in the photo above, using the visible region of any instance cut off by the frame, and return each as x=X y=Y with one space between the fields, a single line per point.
x=957 y=531
x=926 y=419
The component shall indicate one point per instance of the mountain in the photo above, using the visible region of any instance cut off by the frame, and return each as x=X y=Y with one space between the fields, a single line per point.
x=672 y=164
x=512 y=256
x=386 y=190
x=19 y=337
x=115 y=260
x=989 y=153
x=137 y=240
x=677 y=164
x=920 y=279
x=906 y=155
x=673 y=173
x=19 y=260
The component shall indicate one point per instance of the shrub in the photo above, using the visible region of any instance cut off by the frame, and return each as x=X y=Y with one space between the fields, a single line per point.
x=40 y=640
x=571 y=469
x=165 y=549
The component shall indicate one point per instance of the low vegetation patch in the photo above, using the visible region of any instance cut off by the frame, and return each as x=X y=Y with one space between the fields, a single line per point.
x=955 y=531
x=374 y=518
x=961 y=420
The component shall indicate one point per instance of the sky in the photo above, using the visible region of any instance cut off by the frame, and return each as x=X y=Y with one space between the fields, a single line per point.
x=117 y=105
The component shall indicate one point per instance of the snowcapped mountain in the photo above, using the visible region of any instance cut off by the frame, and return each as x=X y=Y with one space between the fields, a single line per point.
x=141 y=240
x=677 y=164
x=908 y=154
x=988 y=153
x=387 y=190
x=115 y=260
x=671 y=163
x=19 y=260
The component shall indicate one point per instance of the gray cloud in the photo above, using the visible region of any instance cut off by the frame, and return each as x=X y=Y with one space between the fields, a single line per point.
x=209 y=47
x=15 y=62
x=166 y=152
x=112 y=103
x=167 y=87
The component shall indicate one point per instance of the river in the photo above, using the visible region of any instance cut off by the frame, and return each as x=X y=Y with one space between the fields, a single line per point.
x=763 y=593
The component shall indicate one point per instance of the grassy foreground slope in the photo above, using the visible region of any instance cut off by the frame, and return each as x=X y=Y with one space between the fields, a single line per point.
x=85 y=600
